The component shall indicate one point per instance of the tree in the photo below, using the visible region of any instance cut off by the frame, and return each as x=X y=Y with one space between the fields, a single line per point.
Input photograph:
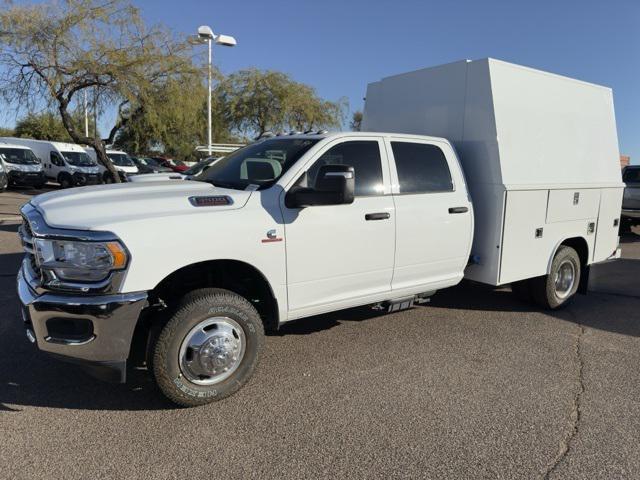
x=173 y=119
x=49 y=126
x=45 y=126
x=356 y=121
x=52 y=52
x=7 y=132
x=255 y=102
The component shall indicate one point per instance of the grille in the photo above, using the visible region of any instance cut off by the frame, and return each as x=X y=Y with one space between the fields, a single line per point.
x=26 y=236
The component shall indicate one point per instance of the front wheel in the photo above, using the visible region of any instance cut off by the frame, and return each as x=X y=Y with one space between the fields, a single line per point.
x=556 y=289
x=65 y=181
x=208 y=349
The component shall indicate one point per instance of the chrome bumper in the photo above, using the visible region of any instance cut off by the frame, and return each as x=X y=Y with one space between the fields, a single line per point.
x=103 y=346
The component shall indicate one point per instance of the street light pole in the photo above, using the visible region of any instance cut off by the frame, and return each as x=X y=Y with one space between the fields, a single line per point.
x=205 y=34
x=209 y=141
x=86 y=115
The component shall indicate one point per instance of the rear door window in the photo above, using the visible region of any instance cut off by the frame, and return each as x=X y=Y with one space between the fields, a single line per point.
x=421 y=167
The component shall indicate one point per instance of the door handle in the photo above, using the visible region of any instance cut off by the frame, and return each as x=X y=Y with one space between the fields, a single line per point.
x=458 y=210
x=377 y=216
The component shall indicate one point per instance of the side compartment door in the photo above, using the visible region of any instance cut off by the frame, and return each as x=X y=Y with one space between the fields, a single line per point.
x=338 y=254
x=433 y=214
x=607 y=238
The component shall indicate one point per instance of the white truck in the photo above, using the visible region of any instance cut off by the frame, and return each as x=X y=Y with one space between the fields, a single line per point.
x=121 y=161
x=65 y=163
x=22 y=167
x=294 y=226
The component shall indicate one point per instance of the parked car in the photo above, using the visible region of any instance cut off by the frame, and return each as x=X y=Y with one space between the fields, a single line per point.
x=631 y=199
x=20 y=167
x=301 y=225
x=65 y=163
x=121 y=161
x=4 y=182
x=189 y=174
x=175 y=165
x=157 y=177
x=149 y=165
x=200 y=167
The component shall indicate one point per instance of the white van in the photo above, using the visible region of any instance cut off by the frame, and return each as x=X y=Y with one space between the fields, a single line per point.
x=121 y=161
x=21 y=165
x=65 y=163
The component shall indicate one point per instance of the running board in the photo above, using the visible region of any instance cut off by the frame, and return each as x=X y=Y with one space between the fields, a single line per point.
x=404 y=303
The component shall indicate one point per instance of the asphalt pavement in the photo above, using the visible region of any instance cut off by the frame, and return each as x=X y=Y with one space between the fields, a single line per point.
x=473 y=385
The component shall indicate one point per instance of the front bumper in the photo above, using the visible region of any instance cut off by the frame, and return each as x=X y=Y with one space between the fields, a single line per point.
x=17 y=177
x=81 y=179
x=94 y=331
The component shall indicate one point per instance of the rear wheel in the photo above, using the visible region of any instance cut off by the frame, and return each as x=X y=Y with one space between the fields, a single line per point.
x=208 y=349
x=556 y=289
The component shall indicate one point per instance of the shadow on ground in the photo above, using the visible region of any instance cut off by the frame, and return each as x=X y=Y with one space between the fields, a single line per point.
x=31 y=378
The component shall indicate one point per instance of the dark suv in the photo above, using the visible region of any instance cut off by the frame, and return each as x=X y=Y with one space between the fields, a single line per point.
x=631 y=199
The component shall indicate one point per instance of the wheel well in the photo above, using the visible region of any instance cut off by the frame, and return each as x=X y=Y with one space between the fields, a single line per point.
x=581 y=247
x=233 y=275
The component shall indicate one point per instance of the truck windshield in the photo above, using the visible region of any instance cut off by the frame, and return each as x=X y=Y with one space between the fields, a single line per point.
x=120 y=159
x=21 y=156
x=78 y=159
x=260 y=164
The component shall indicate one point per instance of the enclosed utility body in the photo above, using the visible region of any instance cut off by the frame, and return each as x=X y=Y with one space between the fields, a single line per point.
x=539 y=152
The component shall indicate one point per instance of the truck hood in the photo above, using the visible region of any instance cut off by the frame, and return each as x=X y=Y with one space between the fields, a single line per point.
x=90 y=208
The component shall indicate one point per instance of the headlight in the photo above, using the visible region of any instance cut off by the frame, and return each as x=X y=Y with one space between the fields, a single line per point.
x=80 y=261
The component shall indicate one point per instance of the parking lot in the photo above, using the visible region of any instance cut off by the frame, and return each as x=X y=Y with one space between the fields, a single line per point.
x=473 y=385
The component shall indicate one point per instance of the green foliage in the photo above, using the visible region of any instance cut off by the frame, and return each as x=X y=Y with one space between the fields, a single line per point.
x=172 y=119
x=7 y=132
x=50 y=52
x=49 y=126
x=254 y=102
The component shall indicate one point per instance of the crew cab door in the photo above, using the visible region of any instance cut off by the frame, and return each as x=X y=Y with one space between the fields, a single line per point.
x=338 y=254
x=434 y=221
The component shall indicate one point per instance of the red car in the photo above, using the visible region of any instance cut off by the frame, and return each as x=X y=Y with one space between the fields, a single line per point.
x=175 y=165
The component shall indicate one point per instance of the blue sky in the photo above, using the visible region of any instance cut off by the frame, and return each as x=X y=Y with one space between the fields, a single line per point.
x=340 y=46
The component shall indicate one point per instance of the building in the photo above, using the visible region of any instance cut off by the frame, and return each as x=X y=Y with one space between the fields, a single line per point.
x=624 y=160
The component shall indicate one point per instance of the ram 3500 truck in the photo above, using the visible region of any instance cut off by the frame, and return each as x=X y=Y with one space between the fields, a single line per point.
x=300 y=225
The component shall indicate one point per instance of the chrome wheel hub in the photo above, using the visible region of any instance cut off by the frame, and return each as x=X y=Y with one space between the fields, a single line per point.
x=212 y=350
x=565 y=279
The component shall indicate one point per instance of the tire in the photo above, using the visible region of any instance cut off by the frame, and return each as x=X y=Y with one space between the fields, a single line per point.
x=522 y=290
x=548 y=291
x=65 y=181
x=40 y=186
x=178 y=369
x=107 y=178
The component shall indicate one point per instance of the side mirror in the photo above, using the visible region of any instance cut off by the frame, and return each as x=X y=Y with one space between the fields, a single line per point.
x=334 y=186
